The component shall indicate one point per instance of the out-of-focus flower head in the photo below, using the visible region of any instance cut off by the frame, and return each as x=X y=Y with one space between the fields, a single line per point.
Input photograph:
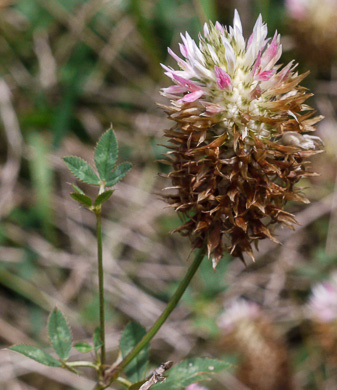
x=195 y=386
x=323 y=301
x=313 y=23
x=322 y=310
x=239 y=311
x=262 y=356
x=240 y=138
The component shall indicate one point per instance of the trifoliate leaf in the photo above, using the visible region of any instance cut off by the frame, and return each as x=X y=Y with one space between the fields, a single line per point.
x=118 y=173
x=36 y=354
x=82 y=170
x=106 y=154
x=59 y=334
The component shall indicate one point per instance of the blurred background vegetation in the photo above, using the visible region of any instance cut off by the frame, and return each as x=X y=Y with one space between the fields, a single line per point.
x=70 y=68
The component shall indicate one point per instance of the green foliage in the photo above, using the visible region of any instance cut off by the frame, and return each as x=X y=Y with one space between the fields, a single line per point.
x=77 y=189
x=83 y=347
x=42 y=179
x=81 y=198
x=137 y=385
x=103 y=197
x=36 y=354
x=132 y=334
x=59 y=334
x=106 y=154
x=82 y=170
x=97 y=339
x=190 y=371
x=118 y=173
x=79 y=63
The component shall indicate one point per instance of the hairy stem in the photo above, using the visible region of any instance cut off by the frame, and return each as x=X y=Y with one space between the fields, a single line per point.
x=113 y=372
x=100 y=283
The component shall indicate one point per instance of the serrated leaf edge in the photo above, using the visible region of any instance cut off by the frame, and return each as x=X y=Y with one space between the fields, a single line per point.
x=57 y=359
x=111 y=128
x=82 y=159
x=109 y=186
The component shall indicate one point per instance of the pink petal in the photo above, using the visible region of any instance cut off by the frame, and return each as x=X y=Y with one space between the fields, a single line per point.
x=175 y=89
x=222 y=78
x=285 y=72
x=212 y=108
x=188 y=84
x=271 y=52
x=264 y=76
x=257 y=63
x=191 y=97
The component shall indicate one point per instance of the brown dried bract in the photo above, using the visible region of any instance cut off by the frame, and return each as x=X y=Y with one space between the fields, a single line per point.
x=231 y=188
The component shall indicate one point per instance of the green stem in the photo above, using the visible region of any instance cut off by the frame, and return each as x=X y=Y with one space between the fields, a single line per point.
x=124 y=381
x=100 y=282
x=113 y=372
x=82 y=364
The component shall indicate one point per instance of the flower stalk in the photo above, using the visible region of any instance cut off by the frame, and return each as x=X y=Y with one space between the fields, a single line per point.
x=100 y=281
x=113 y=372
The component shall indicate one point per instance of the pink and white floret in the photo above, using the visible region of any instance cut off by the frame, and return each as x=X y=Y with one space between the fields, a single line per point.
x=226 y=74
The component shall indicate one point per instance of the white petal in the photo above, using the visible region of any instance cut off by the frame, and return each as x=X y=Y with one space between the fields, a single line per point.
x=229 y=54
x=214 y=56
x=237 y=22
x=257 y=43
x=237 y=31
x=206 y=30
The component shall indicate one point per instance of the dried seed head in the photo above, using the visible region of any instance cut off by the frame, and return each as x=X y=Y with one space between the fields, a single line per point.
x=263 y=359
x=239 y=140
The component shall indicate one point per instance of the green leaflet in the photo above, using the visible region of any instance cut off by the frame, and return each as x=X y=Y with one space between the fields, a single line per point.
x=36 y=354
x=106 y=154
x=118 y=173
x=81 y=198
x=59 y=334
x=82 y=170
x=132 y=334
x=83 y=347
x=103 y=197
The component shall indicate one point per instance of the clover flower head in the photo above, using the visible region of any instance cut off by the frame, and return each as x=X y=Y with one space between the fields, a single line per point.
x=250 y=333
x=323 y=301
x=238 y=311
x=241 y=134
x=313 y=25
